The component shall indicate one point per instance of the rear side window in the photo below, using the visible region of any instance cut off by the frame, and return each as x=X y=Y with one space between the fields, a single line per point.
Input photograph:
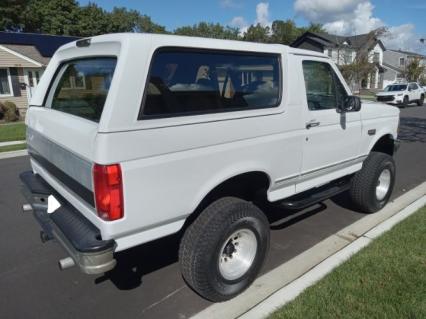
x=81 y=87
x=190 y=82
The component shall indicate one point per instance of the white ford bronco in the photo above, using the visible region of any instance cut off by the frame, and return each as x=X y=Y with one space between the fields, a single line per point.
x=133 y=137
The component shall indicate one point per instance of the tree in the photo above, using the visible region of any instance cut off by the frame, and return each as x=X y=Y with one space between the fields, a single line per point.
x=285 y=32
x=312 y=27
x=51 y=16
x=92 y=20
x=11 y=14
x=209 y=30
x=145 y=24
x=122 y=20
x=257 y=33
x=414 y=70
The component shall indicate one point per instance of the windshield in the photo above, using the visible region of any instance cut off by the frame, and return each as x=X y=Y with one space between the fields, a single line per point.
x=82 y=87
x=393 y=88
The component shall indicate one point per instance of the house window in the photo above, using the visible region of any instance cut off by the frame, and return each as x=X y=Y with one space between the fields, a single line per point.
x=376 y=57
x=30 y=78
x=401 y=61
x=347 y=56
x=5 y=83
x=75 y=80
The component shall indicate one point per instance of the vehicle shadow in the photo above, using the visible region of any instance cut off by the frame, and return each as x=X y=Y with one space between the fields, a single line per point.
x=134 y=263
x=412 y=129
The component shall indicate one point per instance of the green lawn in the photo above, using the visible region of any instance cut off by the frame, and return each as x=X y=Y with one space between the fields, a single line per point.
x=12 y=132
x=13 y=148
x=368 y=97
x=385 y=280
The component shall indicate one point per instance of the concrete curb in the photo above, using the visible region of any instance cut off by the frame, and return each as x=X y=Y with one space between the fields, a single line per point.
x=13 y=154
x=273 y=281
x=12 y=143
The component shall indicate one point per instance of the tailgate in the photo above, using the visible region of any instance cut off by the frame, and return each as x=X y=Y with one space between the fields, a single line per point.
x=63 y=120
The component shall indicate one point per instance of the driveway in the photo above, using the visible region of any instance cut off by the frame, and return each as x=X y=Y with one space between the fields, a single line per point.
x=147 y=283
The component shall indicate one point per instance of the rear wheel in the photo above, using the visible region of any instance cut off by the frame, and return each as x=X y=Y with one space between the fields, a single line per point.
x=421 y=101
x=222 y=252
x=372 y=186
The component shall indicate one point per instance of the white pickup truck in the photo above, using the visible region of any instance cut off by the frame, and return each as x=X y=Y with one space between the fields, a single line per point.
x=133 y=137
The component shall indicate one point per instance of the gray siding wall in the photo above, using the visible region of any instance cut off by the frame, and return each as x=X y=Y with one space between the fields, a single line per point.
x=392 y=58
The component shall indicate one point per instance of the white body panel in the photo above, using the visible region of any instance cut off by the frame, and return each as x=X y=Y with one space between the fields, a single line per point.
x=169 y=165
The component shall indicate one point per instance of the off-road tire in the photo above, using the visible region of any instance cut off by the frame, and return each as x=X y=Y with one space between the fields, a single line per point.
x=421 y=101
x=364 y=183
x=201 y=247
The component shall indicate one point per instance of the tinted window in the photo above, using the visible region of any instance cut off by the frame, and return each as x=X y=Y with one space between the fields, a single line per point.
x=82 y=87
x=394 y=88
x=194 y=82
x=323 y=88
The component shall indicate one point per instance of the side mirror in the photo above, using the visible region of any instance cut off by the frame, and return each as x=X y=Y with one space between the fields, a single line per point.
x=350 y=104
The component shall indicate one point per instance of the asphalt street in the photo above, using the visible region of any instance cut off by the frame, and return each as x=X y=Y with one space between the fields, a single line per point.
x=147 y=283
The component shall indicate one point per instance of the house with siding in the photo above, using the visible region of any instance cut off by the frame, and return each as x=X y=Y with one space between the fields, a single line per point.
x=344 y=49
x=395 y=63
x=23 y=58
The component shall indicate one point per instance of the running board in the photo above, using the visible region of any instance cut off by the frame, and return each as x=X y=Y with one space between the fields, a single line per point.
x=314 y=196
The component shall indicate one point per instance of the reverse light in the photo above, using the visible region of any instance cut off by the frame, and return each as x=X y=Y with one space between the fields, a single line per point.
x=108 y=184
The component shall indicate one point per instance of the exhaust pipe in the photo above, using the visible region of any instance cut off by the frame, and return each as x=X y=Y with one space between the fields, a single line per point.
x=27 y=208
x=66 y=263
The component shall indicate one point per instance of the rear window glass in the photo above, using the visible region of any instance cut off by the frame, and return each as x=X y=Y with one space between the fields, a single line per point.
x=189 y=82
x=81 y=87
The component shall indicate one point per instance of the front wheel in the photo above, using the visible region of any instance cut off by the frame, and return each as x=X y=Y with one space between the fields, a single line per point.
x=405 y=102
x=421 y=101
x=222 y=251
x=372 y=186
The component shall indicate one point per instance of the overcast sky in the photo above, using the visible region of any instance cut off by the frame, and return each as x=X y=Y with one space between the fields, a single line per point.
x=406 y=20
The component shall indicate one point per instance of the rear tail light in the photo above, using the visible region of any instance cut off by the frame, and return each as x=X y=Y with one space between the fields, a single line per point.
x=108 y=191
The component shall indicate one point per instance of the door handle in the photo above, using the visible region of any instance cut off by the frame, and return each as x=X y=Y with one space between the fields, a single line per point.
x=312 y=123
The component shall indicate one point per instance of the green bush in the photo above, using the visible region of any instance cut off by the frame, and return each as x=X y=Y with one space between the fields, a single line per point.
x=2 y=110
x=11 y=113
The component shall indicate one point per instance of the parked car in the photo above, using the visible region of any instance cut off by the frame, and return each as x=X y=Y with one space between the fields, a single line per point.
x=402 y=94
x=133 y=137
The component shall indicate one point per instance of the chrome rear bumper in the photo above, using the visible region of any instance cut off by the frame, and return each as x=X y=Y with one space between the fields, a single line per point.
x=80 y=238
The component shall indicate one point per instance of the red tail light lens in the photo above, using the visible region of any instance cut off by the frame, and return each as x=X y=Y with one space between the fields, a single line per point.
x=108 y=191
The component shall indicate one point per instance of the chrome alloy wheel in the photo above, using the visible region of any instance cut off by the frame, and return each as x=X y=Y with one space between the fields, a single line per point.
x=237 y=254
x=383 y=184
